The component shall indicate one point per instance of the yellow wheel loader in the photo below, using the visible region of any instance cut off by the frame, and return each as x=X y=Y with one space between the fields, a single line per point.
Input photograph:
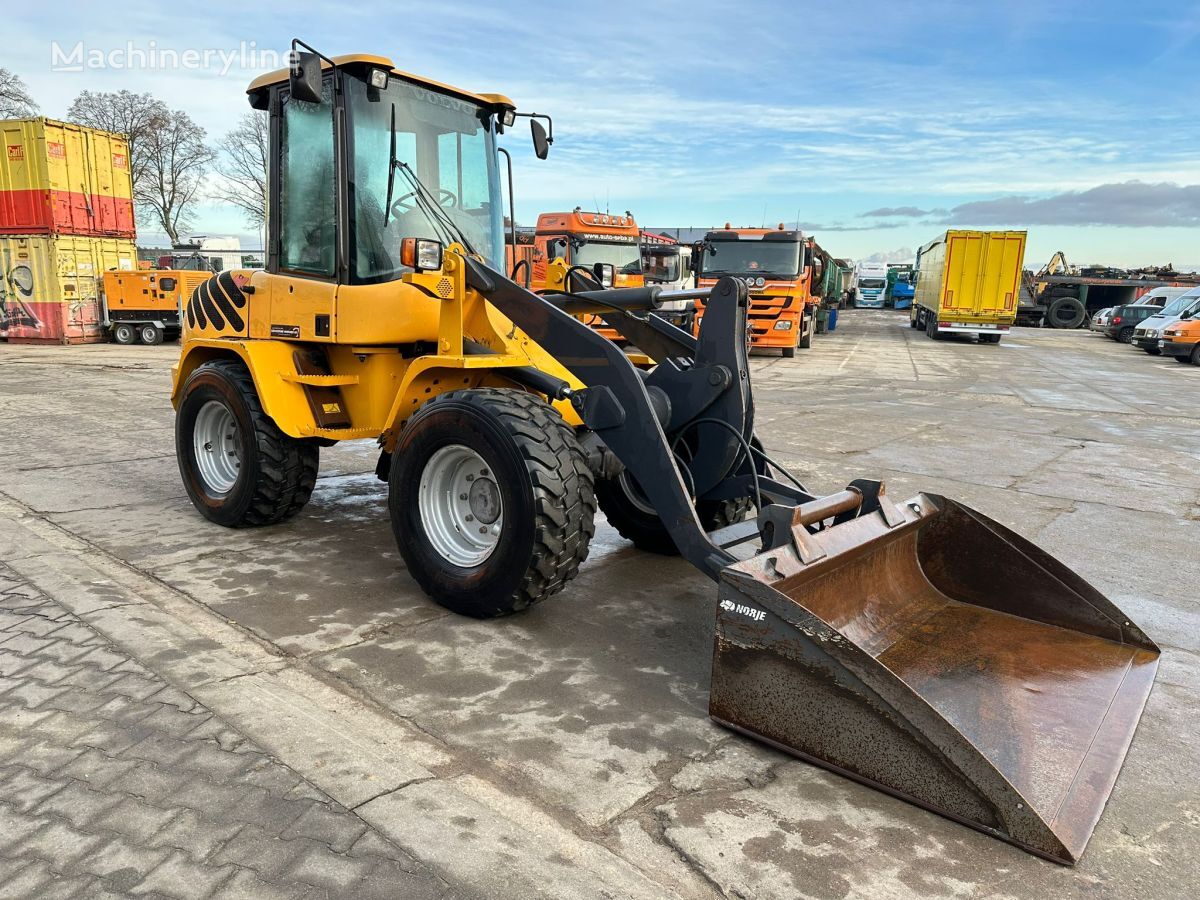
x=916 y=646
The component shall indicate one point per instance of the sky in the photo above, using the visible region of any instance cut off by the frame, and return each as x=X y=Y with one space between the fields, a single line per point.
x=873 y=125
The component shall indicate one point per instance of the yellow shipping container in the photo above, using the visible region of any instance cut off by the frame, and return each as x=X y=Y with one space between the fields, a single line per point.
x=60 y=178
x=968 y=282
x=50 y=286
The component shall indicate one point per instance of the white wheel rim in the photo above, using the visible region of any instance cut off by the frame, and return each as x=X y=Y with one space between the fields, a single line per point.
x=216 y=449
x=460 y=506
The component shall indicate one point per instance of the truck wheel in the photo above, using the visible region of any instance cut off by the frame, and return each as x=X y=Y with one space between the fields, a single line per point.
x=806 y=336
x=931 y=328
x=124 y=333
x=238 y=468
x=1066 y=312
x=1196 y=355
x=789 y=352
x=150 y=334
x=491 y=501
x=989 y=338
x=1125 y=335
x=627 y=510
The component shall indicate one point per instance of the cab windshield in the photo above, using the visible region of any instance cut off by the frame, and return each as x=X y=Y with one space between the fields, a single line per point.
x=871 y=283
x=1179 y=304
x=661 y=264
x=626 y=258
x=447 y=143
x=778 y=258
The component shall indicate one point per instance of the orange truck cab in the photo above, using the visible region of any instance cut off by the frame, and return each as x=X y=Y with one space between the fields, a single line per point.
x=584 y=239
x=776 y=265
x=564 y=240
x=1181 y=339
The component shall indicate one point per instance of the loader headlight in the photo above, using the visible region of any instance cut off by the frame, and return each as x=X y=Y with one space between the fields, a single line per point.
x=421 y=254
x=379 y=79
x=508 y=117
x=783 y=325
x=759 y=281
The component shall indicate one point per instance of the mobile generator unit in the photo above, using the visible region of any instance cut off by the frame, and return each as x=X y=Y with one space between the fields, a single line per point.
x=916 y=646
x=146 y=304
x=968 y=282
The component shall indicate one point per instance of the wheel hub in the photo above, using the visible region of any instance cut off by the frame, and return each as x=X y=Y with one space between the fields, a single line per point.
x=216 y=448
x=460 y=506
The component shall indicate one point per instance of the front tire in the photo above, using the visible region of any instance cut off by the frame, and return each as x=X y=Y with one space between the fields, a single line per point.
x=789 y=352
x=491 y=501
x=238 y=468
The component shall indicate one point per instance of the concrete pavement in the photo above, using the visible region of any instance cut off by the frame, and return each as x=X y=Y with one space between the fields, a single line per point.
x=567 y=751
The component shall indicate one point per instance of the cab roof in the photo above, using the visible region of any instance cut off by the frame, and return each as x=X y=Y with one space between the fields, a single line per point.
x=366 y=60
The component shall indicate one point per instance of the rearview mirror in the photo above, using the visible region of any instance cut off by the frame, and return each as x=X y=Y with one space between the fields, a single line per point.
x=541 y=143
x=604 y=273
x=304 y=78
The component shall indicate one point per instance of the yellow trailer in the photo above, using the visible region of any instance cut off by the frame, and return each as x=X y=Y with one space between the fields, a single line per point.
x=968 y=282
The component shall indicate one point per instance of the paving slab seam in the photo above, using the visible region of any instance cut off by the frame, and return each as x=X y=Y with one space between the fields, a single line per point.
x=268 y=721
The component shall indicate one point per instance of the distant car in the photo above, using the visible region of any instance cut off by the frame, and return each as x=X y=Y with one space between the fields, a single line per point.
x=1124 y=320
x=1181 y=339
x=1100 y=320
x=1148 y=334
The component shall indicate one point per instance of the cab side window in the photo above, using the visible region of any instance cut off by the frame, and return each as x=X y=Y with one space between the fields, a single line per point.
x=307 y=187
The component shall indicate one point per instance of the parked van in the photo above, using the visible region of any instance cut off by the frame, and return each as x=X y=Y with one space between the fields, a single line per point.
x=1181 y=340
x=1147 y=335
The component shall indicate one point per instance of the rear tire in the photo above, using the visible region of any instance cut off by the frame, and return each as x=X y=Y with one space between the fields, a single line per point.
x=628 y=512
x=1125 y=335
x=238 y=468
x=990 y=338
x=150 y=334
x=530 y=489
x=931 y=328
x=1196 y=355
x=123 y=333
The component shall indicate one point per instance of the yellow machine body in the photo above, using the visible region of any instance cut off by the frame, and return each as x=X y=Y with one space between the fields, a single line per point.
x=378 y=368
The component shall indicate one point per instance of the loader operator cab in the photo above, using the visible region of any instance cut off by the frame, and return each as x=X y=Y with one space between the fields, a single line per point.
x=367 y=157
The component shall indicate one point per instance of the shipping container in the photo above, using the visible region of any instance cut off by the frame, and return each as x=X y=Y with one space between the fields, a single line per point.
x=60 y=178
x=968 y=282
x=50 y=286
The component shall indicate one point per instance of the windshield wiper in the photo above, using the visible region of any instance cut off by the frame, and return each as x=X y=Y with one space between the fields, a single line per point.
x=438 y=218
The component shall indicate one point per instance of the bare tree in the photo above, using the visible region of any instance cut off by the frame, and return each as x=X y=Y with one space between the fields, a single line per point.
x=127 y=113
x=242 y=167
x=15 y=102
x=176 y=161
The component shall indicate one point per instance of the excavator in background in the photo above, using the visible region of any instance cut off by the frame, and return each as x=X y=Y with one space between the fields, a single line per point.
x=776 y=265
x=916 y=646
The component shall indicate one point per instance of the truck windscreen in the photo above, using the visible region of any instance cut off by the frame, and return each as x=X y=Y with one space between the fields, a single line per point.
x=626 y=258
x=778 y=258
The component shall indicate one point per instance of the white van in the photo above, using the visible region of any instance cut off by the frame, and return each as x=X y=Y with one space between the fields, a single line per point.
x=1147 y=333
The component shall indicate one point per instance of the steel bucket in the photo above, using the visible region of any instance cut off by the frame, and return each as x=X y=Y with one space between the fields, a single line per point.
x=932 y=653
